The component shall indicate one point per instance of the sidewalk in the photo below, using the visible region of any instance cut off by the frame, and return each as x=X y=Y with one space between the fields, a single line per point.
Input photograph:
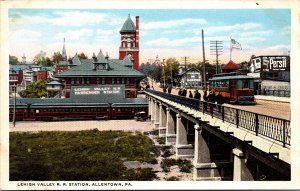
x=273 y=98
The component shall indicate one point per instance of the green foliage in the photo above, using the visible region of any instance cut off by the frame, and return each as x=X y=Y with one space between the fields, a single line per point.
x=161 y=140
x=13 y=60
x=171 y=68
x=155 y=132
x=185 y=165
x=83 y=155
x=56 y=57
x=141 y=174
x=47 y=62
x=172 y=178
x=166 y=151
x=168 y=162
x=82 y=56
x=35 y=90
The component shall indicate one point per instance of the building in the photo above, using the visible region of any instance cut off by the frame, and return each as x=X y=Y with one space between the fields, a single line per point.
x=272 y=74
x=130 y=41
x=191 y=78
x=103 y=70
x=230 y=67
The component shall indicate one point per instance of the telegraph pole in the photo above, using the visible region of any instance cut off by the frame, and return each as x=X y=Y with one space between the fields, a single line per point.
x=216 y=48
x=185 y=67
x=164 y=73
x=203 y=51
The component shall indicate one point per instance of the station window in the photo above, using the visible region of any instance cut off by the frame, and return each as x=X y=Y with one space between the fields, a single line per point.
x=113 y=80
x=123 y=80
x=118 y=80
x=103 y=80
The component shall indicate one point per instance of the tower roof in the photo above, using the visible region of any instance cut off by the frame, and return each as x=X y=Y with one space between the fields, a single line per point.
x=128 y=26
x=100 y=55
x=231 y=66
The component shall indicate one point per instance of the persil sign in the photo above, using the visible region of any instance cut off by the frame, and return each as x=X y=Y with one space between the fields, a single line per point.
x=270 y=63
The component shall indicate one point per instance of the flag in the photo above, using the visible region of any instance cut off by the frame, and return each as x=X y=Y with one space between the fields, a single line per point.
x=235 y=44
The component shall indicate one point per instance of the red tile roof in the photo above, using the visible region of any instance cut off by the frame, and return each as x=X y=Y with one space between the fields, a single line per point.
x=231 y=66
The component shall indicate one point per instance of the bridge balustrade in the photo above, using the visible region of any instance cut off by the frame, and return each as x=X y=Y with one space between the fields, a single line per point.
x=271 y=127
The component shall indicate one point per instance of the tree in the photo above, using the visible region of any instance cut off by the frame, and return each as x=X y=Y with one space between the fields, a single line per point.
x=171 y=68
x=13 y=60
x=56 y=57
x=82 y=56
x=35 y=90
x=39 y=58
x=48 y=62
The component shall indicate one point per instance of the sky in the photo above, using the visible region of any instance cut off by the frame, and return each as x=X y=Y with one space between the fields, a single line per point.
x=163 y=32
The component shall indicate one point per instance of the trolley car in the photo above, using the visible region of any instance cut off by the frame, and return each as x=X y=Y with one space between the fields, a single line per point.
x=234 y=87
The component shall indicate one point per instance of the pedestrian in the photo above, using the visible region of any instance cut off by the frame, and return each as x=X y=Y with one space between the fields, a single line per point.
x=205 y=96
x=183 y=93
x=205 y=100
x=211 y=97
x=197 y=95
x=169 y=89
x=164 y=89
x=152 y=88
x=190 y=94
x=220 y=100
x=179 y=92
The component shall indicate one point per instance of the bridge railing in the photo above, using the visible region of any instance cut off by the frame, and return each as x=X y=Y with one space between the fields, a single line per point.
x=271 y=127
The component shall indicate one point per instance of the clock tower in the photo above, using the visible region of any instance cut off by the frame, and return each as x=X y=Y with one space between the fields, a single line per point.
x=130 y=41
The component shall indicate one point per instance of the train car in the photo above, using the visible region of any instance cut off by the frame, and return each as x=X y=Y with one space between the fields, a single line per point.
x=71 y=111
x=31 y=109
x=127 y=111
x=235 y=88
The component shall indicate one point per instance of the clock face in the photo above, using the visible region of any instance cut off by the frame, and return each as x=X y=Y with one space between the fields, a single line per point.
x=129 y=55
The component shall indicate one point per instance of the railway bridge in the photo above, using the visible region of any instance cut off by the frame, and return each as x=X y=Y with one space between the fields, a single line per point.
x=225 y=143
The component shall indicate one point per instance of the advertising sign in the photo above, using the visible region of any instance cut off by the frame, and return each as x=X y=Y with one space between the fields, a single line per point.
x=103 y=91
x=270 y=63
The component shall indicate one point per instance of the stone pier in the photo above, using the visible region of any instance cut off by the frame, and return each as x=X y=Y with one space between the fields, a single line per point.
x=183 y=149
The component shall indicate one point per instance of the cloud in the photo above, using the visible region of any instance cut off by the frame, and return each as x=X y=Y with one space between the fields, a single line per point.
x=228 y=28
x=75 y=34
x=78 y=18
x=24 y=36
x=170 y=24
x=63 y=18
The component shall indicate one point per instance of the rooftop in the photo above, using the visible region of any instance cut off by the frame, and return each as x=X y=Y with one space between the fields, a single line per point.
x=128 y=26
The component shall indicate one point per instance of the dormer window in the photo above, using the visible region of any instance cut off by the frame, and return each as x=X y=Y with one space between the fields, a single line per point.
x=99 y=66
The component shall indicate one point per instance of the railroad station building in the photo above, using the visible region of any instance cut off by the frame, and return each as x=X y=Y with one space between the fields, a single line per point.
x=102 y=70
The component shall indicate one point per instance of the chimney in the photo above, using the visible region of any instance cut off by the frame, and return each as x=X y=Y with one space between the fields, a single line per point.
x=137 y=31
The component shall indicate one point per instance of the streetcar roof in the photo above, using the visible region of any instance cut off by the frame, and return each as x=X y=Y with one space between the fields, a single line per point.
x=231 y=77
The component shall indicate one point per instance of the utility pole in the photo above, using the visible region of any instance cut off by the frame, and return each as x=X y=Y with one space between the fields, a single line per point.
x=216 y=48
x=203 y=51
x=185 y=68
x=164 y=73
